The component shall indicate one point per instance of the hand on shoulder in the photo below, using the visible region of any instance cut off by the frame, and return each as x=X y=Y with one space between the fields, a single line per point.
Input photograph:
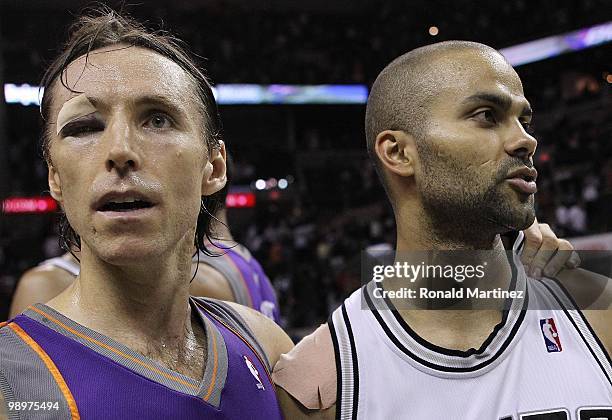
x=306 y=379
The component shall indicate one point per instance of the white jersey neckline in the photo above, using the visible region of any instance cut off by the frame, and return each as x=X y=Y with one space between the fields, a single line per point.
x=425 y=356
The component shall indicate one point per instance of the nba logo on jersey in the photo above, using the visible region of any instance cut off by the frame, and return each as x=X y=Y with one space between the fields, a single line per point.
x=254 y=372
x=550 y=334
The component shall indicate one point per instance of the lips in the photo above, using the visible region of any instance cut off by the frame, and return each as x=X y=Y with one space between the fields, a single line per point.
x=525 y=173
x=123 y=201
x=130 y=205
x=524 y=180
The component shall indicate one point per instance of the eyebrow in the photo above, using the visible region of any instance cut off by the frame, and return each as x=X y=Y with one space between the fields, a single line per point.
x=158 y=100
x=502 y=101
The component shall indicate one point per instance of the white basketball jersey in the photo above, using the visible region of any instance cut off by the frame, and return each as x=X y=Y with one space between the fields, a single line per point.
x=530 y=368
x=69 y=266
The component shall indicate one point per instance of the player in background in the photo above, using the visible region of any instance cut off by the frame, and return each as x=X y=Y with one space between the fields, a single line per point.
x=237 y=275
x=42 y=283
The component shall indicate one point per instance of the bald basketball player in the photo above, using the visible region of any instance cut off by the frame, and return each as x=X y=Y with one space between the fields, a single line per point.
x=447 y=127
x=227 y=272
x=133 y=145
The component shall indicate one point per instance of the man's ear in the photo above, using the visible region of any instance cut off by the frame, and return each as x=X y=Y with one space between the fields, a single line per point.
x=396 y=151
x=215 y=171
x=55 y=184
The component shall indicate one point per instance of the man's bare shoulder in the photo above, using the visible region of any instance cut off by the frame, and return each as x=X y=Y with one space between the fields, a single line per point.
x=292 y=409
x=307 y=377
x=39 y=285
x=272 y=337
x=211 y=283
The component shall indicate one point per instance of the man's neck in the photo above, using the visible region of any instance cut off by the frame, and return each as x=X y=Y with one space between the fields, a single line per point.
x=140 y=306
x=449 y=327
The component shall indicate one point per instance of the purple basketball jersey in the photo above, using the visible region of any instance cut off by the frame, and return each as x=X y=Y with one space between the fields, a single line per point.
x=257 y=283
x=105 y=379
x=249 y=283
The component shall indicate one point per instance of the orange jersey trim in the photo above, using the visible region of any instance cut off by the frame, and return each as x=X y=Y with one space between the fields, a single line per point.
x=244 y=340
x=59 y=379
x=215 y=363
x=114 y=350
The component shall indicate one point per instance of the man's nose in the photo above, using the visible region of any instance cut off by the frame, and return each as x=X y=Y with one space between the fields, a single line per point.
x=121 y=153
x=520 y=143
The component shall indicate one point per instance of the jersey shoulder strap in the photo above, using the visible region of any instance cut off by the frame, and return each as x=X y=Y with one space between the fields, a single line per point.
x=566 y=303
x=69 y=266
x=231 y=319
x=223 y=264
x=347 y=366
x=27 y=374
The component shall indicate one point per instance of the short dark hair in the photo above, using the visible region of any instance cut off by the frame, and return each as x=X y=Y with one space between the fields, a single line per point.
x=102 y=27
x=400 y=95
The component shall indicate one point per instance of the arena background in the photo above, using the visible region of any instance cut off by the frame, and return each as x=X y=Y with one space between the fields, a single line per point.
x=318 y=203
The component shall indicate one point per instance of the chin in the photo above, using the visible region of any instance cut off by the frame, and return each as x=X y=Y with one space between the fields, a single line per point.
x=129 y=251
x=521 y=220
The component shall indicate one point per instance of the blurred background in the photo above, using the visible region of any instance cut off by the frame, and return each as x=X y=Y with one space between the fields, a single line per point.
x=292 y=82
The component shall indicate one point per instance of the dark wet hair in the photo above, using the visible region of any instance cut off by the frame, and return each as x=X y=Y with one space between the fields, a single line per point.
x=102 y=27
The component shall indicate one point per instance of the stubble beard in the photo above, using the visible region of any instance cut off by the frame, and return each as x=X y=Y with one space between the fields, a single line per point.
x=461 y=206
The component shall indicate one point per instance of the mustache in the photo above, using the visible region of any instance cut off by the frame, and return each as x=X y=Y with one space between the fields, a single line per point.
x=510 y=165
x=130 y=181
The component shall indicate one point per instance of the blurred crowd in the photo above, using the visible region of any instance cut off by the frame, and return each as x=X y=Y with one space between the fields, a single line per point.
x=310 y=244
x=321 y=43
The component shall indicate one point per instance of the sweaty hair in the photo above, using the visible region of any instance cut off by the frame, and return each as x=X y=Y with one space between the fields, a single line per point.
x=400 y=96
x=103 y=27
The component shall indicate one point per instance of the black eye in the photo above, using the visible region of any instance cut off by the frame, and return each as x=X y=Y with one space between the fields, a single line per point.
x=81 y=128
x=159 y=121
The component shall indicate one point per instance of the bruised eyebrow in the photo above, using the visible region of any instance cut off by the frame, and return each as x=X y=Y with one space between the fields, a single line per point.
x=147 y=100
x=502 y=101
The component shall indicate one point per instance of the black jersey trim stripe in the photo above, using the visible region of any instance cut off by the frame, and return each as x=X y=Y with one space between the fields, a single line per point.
x=573 y=302
x=434 y=366
x=580 y=332
x=332 y=329
x=355 y=364
x=346 y=358
x=461 y=353
x=583 y=319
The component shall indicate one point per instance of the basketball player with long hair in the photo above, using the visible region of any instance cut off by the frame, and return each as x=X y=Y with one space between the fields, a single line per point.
x=133 y=145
